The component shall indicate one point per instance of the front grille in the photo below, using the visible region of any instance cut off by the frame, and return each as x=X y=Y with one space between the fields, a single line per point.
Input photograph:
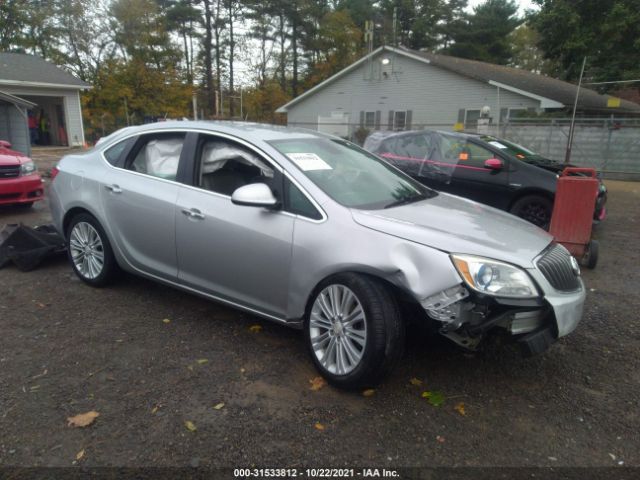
x=9 y=171
x=557 y=268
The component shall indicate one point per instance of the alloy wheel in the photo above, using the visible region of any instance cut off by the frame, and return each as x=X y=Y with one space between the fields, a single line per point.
x=87 y=250
x=338 y=329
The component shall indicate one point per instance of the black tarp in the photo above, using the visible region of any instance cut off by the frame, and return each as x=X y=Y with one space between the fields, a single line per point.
x=27 y=247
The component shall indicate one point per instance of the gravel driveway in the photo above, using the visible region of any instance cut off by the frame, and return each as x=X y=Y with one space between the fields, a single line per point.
x=180 y=381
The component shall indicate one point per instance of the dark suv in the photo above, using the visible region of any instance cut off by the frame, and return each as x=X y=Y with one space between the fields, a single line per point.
x=479 y=167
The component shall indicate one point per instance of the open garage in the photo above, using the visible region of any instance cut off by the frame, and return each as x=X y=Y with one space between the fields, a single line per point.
x=54 y=114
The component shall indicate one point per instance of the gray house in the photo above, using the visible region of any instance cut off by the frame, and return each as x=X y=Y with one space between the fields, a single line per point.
x=400 y=89
x=33 y=87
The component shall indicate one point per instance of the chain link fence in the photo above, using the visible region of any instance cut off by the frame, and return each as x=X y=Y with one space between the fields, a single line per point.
x=611 y=145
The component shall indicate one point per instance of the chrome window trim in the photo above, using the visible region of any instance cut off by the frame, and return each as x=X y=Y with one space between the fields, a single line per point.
x=227 y=136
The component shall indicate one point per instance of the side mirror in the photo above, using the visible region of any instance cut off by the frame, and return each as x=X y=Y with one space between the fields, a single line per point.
x=254 y=195
x=5 y=144
x=494 y=164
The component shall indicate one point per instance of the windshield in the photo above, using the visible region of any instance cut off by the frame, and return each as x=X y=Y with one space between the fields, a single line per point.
x=351 y=176
x=513 y=149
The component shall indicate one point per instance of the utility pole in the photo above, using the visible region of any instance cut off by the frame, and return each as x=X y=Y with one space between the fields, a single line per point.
x=126 y=110
x=395 y=26
x=567 y=156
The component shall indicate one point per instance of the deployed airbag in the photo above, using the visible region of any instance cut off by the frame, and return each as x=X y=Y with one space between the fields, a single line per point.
x=216 y=154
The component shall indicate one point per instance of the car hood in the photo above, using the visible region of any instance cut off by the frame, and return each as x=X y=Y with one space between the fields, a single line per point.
x=11 y=157
x=457 y=225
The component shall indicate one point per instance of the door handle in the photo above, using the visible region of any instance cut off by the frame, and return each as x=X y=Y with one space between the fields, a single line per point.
x=193 y=213
x=113 y=188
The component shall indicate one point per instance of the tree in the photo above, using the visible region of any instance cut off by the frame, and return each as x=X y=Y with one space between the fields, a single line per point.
x=12 y=21
x=182 y=17
x=485 y=35
x=608 y=33
x=525 y=51
x=340 y=45
x=420 y=24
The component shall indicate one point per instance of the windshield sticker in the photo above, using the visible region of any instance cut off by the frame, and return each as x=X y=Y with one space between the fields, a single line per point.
x=497 y=144
x=309 y=161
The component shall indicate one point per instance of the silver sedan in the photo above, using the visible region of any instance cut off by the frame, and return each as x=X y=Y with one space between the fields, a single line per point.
x=313 y=232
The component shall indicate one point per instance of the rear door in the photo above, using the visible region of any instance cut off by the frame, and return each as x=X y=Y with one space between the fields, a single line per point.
x=238 y=253
x=139 y=196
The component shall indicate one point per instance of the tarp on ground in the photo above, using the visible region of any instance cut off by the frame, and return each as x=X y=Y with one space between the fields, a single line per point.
x=27 y=247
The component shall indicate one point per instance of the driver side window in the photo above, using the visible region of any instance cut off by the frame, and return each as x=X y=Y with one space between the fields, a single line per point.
x=225 y=166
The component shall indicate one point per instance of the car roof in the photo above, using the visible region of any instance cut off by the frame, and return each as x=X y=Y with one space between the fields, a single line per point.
x=247 y=130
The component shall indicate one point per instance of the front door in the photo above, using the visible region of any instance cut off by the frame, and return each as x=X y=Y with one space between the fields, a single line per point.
x=238 y=253
x=470 y=178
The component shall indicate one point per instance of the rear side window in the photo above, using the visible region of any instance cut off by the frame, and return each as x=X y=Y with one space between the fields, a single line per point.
x=157 y=155
x=112 y=154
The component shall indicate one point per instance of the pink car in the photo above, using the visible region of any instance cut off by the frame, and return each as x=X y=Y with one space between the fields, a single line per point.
x=20 y=182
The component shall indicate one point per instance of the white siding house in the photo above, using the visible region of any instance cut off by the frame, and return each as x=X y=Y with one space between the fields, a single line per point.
x=52 y=93
x=401 y=89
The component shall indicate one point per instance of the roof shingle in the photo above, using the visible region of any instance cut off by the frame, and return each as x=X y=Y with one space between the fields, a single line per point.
x=552 y=88
x=20 y=67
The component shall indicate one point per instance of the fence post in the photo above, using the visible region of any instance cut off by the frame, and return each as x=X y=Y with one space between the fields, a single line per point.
x=551 y=128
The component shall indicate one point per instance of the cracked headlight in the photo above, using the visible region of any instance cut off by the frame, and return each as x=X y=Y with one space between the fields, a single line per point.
x=27 y=168
x=492 y=277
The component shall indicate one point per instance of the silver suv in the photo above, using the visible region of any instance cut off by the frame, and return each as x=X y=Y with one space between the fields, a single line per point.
x=315 y=233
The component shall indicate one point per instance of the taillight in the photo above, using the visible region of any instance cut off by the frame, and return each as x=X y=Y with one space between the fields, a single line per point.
x=54 y=172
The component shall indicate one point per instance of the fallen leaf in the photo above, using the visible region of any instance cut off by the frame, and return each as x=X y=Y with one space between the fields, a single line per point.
x=190 y=426
x=166 y=320
x=219 y=406
x=190 y=367
x=368 y=392
x=440 y=439
x=460 y=409
x=255 y=328
x=317 y=383
x=415 y=381
x=319 y=426
x=155 y=409
x=202 y=361
x=434 y=398
x=41 y=305
x=80 y=454
x=83 y=420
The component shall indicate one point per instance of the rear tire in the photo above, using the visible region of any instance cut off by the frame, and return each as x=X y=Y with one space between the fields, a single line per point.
x=354 y=330
x=535 y=209
x=90 y=252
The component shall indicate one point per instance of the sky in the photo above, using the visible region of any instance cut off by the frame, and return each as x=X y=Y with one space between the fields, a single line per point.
x=524 y=4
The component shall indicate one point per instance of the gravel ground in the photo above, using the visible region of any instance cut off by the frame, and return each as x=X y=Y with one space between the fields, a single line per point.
x=149 y=359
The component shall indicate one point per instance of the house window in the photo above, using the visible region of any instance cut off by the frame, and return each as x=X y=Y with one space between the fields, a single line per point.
x=471 y=118
x=399 y=120
x=370 y=119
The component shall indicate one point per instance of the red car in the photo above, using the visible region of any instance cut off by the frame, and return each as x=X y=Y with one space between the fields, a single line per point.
x=20 y=182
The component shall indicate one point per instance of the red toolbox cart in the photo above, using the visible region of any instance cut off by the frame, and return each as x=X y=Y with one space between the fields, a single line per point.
x=572 y=215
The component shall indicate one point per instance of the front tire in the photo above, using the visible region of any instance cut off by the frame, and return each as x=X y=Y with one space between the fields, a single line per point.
x=354 y=330
x=90 y=252
x=535 y=209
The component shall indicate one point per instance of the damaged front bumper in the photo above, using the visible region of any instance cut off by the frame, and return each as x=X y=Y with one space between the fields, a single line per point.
x=467 y=317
